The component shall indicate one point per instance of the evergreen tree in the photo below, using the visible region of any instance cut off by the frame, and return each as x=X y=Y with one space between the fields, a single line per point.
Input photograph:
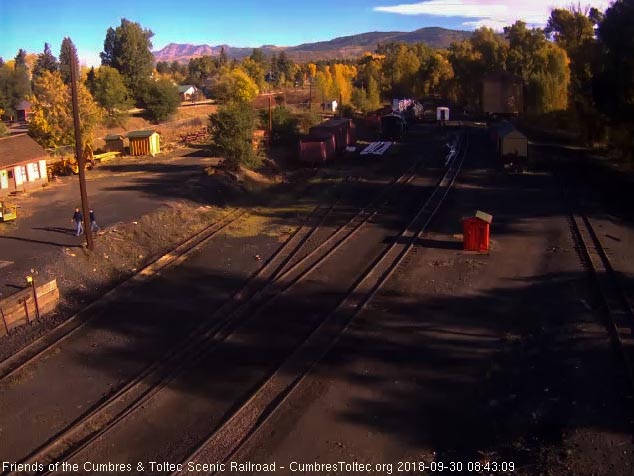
x=258 y=56
x=66 y=52
x=20 y=59
x=90 y=80
x=128 y=48
x=223 y=59
x=45 y=62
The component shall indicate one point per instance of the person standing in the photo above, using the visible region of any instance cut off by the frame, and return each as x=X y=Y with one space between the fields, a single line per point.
x=78 y=218
x=93 y=222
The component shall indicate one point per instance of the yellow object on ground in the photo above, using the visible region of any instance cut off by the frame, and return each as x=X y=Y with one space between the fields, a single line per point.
x=8 y=212
x=106 y=156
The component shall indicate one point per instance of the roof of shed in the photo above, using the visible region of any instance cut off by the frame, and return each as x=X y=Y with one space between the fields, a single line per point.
x=185 y=87
x=141 y=134
x=114 y=137
x=19 y=149
x=513 y=134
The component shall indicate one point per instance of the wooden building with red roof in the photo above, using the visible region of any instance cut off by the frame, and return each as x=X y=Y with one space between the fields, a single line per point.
x=22 y=164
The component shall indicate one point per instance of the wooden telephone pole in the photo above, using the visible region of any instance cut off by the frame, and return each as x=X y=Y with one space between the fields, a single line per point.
x=85 y=208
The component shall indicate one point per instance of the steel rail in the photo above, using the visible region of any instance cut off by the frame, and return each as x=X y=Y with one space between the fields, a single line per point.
x=617 y=307
x=272 y=394
x=36 y=349
x=107 y=414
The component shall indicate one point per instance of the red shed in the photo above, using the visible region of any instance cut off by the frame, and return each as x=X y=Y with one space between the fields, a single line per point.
x=476 y=232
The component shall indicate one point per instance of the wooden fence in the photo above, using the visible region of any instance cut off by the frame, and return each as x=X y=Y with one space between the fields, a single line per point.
x=21 y=308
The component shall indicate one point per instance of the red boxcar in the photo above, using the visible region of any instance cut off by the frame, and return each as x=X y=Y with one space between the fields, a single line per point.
x=317 y=147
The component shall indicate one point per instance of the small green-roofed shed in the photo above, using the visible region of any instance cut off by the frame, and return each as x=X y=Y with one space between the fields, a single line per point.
x=114 y=142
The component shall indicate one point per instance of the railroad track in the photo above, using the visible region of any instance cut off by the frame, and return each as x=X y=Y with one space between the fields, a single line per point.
x=284 y=270
x=618 y=309
x=38 y=348
x=270 y=397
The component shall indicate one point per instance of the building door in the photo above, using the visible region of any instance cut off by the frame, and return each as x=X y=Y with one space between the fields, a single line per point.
x=4 y=180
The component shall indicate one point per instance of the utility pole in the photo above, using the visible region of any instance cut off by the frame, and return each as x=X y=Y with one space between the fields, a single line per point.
x=310 y=94
x=79 y=154
x=270 y=119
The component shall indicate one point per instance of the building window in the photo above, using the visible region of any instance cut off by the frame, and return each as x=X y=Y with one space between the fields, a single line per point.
x=10 y=174
x=34 y=173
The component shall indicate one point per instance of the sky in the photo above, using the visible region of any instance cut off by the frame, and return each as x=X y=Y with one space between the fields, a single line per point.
x=29 y=23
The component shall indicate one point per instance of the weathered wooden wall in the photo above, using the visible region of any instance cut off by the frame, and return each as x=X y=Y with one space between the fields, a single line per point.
x=19 y=308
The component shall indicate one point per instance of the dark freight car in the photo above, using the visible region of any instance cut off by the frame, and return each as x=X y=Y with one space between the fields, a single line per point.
x=393 y=127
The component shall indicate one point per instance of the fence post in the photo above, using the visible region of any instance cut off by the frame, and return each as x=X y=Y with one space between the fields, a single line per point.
x=31 y=281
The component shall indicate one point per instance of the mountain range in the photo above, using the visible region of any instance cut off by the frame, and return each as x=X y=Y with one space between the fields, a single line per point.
x=343 y=47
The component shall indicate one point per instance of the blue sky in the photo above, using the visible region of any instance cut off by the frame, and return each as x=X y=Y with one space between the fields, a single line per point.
x=28 y=24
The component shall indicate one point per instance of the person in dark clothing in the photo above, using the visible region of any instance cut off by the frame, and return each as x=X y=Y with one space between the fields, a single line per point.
x=93 y=222
x=78 y=218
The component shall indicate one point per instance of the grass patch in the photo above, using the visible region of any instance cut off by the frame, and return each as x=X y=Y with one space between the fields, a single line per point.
x=256 y=224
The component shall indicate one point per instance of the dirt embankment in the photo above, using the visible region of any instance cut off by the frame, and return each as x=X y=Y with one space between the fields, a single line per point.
x=120 y=251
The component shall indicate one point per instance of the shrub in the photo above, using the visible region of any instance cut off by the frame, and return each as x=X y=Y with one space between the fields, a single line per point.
x=346 y=111
x=232 y=129
x=283 y=122
x=160 y=99
x=307 y=120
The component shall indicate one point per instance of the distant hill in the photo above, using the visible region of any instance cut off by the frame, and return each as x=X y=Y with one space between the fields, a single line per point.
x=343 y=47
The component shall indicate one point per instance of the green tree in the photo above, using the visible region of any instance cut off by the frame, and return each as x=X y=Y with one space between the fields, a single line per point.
x=283 y=123
x=543 y=65
x=110 y=91
x=435 y=73
x=223 y=58
x=372 y=94
x=258 y=56
x=471 y=59
x=573 y=29
x=161 y=99
x=51 y=122
x=359 y=99
x=20 y=59
x=232 y=132
x=614 y=84
x=15 y=86
x=162 y=67
x=45 y=61
x=66 y=52
x=285 y=67
x=201 y=69
x=128 y=48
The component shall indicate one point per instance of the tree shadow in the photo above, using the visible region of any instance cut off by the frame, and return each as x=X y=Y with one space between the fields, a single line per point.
x=41 y=242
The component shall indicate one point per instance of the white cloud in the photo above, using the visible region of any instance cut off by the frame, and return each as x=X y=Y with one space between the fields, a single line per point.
x=492 y=13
